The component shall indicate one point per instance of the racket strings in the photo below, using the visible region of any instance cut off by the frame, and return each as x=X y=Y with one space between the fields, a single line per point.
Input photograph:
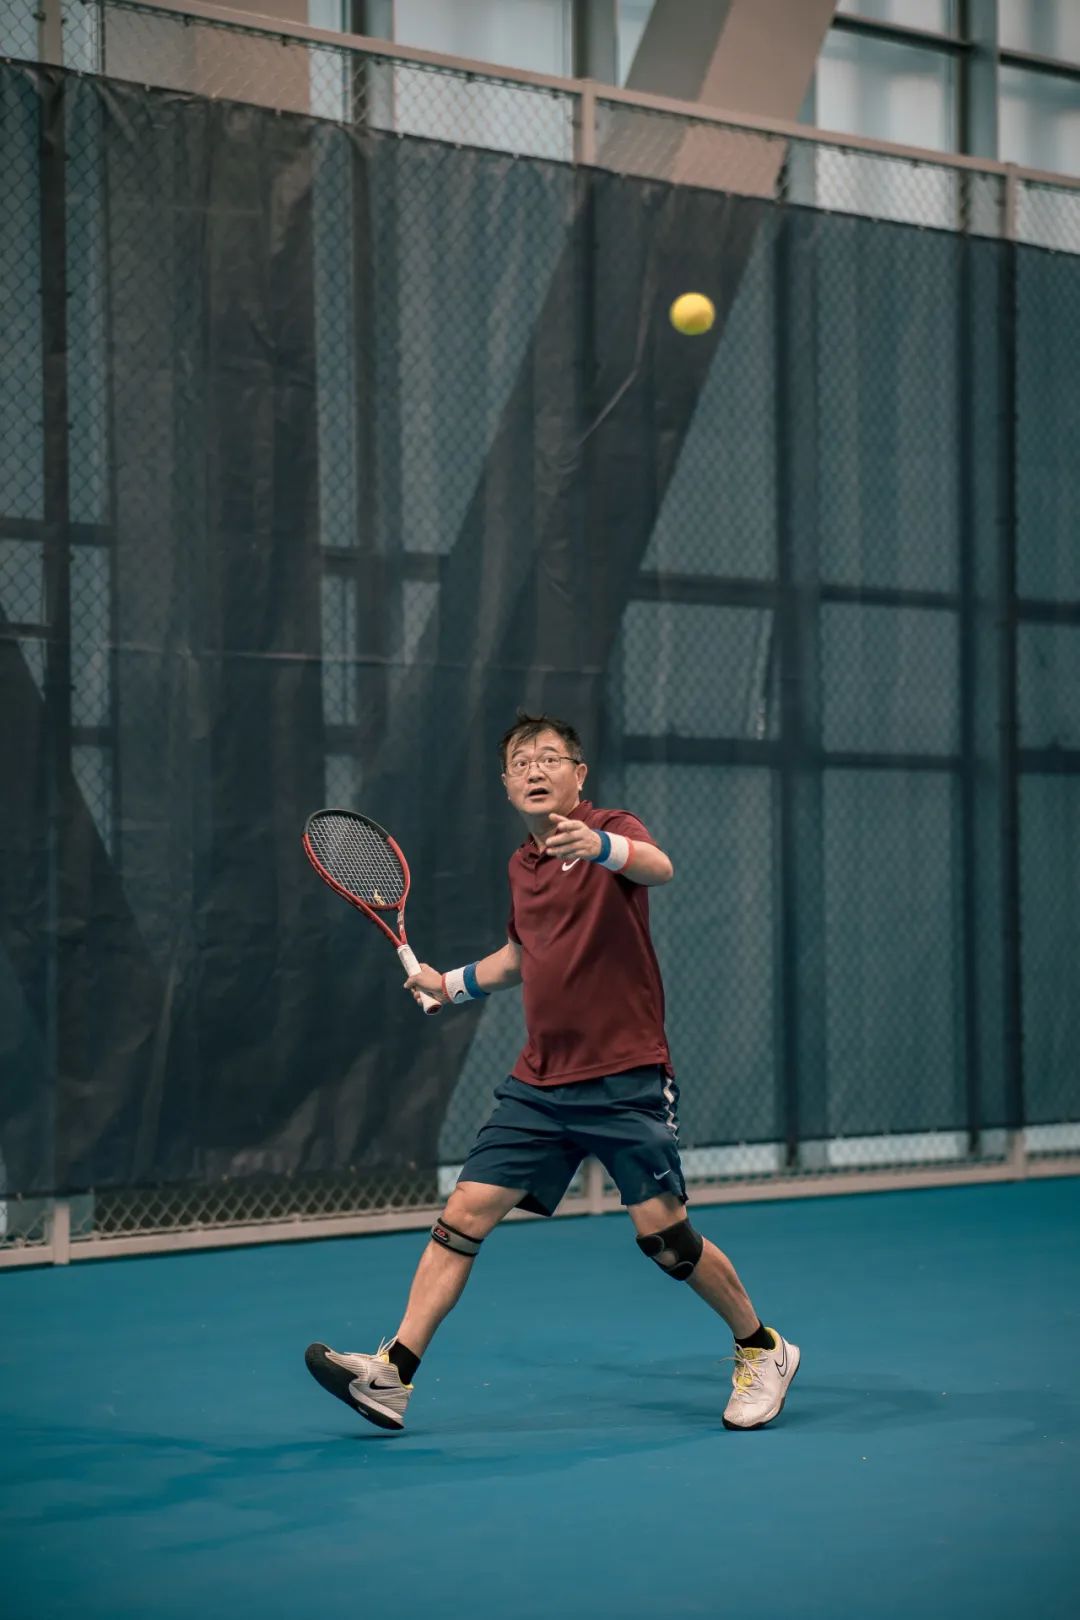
x=359 y=859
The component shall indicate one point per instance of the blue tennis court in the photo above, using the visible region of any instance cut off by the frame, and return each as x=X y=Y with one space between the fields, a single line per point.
x=602 y=472
x=165 y=1453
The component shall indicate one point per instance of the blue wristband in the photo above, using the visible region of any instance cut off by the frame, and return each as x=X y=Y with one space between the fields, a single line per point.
x=605 y=846
x=472 y=988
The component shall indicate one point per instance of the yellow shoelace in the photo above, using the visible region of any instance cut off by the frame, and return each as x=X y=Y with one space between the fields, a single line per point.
x=746 y=1371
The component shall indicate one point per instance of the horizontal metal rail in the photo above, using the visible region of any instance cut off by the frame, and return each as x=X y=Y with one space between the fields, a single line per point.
x=590 y=91
x=61 y=1248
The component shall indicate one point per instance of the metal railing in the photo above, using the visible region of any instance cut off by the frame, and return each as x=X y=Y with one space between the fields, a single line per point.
x=57 y=1231
x=207 y=50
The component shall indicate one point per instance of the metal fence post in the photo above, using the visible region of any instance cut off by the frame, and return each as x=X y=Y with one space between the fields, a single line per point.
x=56 y=564
x=59 y=1228
x=50 y=32
x=967 y=621
x=585 y=123
x=1012 y=958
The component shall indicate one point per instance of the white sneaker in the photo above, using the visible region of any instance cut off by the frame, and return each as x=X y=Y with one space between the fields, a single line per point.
x=760 y=1382
x=371 y=1385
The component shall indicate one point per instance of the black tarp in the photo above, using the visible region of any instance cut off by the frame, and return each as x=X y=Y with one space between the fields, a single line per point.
x=518 y=424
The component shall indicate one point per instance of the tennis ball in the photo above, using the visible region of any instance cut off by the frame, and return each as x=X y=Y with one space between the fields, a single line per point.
x=692 y=313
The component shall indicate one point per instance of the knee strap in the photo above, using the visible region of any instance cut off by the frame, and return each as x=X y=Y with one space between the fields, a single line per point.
x=676 y=1250
x=451 y=1238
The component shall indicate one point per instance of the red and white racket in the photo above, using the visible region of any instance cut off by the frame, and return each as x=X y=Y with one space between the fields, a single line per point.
x=361 y=862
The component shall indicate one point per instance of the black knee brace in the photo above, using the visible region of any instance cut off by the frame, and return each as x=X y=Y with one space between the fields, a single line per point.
x=451 y=1238
x=676 y=1250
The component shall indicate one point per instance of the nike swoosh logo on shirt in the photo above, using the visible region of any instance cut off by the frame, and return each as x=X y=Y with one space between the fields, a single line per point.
x=661 y=1176
x=566 y=865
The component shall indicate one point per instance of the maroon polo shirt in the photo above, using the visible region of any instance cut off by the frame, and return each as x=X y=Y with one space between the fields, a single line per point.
x=594 y=999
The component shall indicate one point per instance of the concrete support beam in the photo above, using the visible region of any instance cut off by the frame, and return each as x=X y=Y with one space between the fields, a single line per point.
x=746 y=56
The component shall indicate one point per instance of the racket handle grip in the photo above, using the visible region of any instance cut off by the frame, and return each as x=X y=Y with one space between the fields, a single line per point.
x=407 y=958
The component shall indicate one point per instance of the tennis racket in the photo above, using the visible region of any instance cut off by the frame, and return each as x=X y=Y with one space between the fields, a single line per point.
x=361 y=862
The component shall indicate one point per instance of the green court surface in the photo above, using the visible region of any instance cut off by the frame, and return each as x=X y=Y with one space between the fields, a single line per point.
x=165 y=1453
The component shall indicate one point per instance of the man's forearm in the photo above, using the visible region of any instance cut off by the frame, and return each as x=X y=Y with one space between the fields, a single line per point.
x=500 y=970
x=648 y=865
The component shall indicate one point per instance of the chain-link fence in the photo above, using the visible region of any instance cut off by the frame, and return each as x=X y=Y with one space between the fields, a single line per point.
x=20 y=33
x=292 y=68
x=320 y=456
x=789 y=167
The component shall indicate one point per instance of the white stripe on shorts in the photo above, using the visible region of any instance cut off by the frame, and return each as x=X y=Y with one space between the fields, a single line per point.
x=669 y=1098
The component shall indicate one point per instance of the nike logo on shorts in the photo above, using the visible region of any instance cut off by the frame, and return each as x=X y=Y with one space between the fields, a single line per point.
x=661 y=1176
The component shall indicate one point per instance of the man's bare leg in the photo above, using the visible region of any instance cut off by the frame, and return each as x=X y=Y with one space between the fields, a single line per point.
x=765 y=1362
x=714 y=1277
x=439 y=1280
x=378 y=1385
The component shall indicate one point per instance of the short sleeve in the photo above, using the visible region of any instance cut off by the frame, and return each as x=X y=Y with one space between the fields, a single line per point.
x=621 y=821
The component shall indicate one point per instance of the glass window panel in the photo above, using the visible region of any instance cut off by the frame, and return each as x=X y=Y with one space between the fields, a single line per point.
x=82 y=35
x=1039 y=120
x=19 y=29
x=719 y=512
x=92 y=769
x=21 y=471
x=1048 y=216
x=1048 y=425
x=88 y=402
x=338 y=393
x=328 y=70
x=938 y=16
x=339 y=635
x=891 y=952
x=326 y=14
x=699 y=671
x=343 y=780
x=472 y=111
x=34 y=653
x=717 y=818
x=904 y=93
x=91 y=613
x=889 y=677
x=532 y=34
x=899 y=189
x=1043 y=27
x=889 y=487
x=418 y=599
x=631 y=17
x=1050 y=927
x=1049 y=660
x=22 y=581
x=477 y=262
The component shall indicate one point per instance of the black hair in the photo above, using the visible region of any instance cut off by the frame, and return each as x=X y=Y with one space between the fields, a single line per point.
x=528 y=726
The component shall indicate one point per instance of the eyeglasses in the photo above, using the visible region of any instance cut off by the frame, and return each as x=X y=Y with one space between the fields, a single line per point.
x=547 y=761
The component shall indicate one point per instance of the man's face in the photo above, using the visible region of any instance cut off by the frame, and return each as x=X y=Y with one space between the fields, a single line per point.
x=540 y=780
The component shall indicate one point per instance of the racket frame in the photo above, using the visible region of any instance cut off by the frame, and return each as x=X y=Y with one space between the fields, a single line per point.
x=406 y=955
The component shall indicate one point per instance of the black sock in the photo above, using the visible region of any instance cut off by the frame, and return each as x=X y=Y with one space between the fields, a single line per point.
x=404 y=1360
x=760 y=1339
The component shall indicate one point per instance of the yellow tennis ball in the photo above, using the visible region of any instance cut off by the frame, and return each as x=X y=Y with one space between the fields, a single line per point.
x=692 y=313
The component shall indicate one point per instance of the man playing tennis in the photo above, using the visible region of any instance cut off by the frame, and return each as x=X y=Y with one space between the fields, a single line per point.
x=594 y=1077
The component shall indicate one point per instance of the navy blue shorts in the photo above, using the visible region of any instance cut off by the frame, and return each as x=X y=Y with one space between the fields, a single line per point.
x=538 y=1136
